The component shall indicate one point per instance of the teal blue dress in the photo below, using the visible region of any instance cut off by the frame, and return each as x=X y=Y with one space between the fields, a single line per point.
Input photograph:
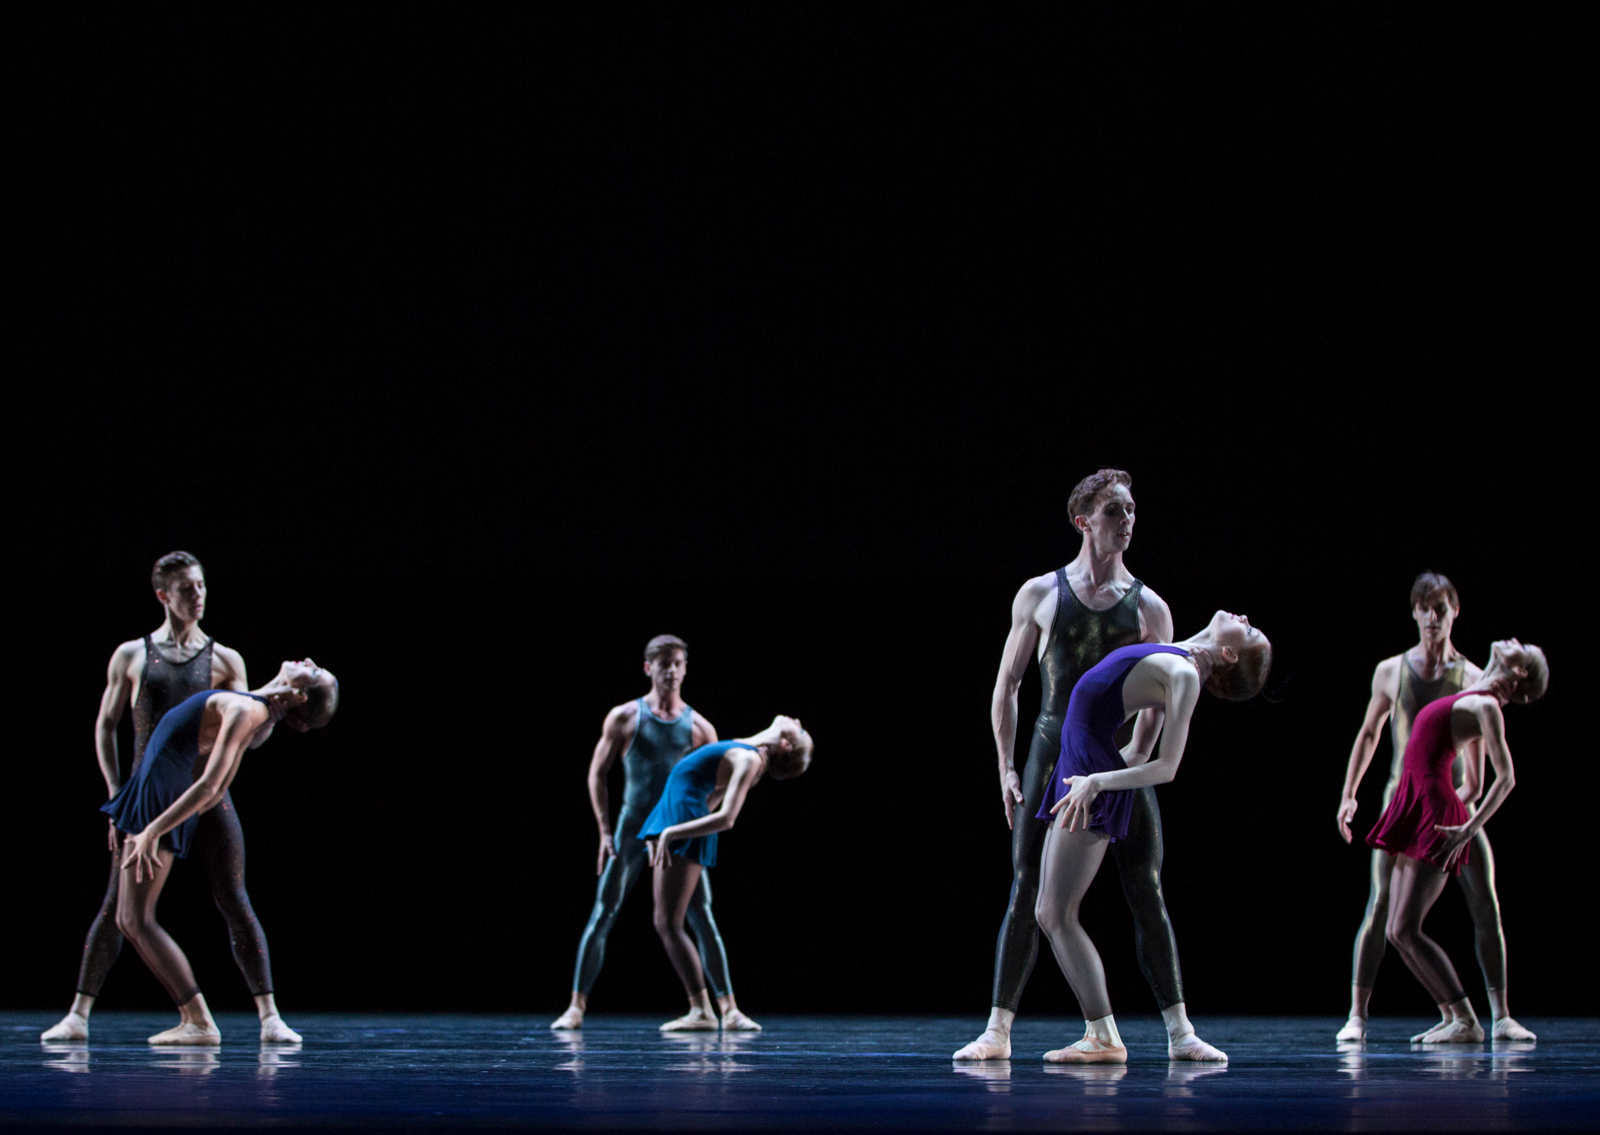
x=689 y=785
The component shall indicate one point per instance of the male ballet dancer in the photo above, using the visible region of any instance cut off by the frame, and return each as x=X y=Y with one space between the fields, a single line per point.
x=155 y=673
x=1401 y=686
x=650 y=734
x=1072 y=619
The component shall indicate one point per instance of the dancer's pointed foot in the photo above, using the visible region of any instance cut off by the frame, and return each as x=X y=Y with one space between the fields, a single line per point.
x=1425 y=1037
x=1354 y=1029
x=991 y=1045
x=188 y=1033
x=274 y=1031
x=1090 y=1050
x=1456 y=1032
x=696 y=1020
x=571 y=1019
x=1506 y=1028
x=734 y=1021
x=1191 y=1047
x=71 y=1027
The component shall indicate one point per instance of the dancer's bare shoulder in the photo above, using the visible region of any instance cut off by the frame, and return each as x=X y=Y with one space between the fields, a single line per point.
x=127 y=660
x=227 y=669
x=702 y=731
x=621 y=721
x=1035 y=601
x=1386 y=678
x=1155 y=617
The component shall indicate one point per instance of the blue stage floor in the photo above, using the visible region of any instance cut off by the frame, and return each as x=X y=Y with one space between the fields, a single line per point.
x=802 y=1072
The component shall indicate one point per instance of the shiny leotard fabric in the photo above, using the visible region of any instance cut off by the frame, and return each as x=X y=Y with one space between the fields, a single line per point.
x=1088 y=737
x=657 y=745
x=1426 y=794
x=684 y=798
x=1080 y=637
x=165 y=773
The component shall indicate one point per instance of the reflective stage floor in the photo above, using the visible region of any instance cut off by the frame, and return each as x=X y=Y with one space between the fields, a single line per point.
x=802 y=1072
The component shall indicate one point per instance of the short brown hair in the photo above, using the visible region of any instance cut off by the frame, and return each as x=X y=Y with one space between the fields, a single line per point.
x=170 y=565
x=1244 y=679
x=1429 y=582
x=321 y=703
x=663 y=643
x=1088 y=490
x=1532 y=687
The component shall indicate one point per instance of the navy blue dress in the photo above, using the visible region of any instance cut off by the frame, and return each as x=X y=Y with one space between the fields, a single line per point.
x=165 y=773
x=690 y=783
x=1088 y=743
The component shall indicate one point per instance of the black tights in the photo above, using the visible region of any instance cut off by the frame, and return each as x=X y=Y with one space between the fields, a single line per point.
x=219 y=846
x=1138 y=859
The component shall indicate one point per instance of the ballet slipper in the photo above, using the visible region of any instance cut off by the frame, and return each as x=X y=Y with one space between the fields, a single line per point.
x=70 y=1027
x=734 y=1021
x=1424 y=1036
x=1456 y=1032
x=694 y=1021
x=274 y=1031
x=187 y=1033
x=1089 y=1050
x=992 y=1044
x=1191 y=1047
x=1354 y=1029
x=571 y=1019
x=1506 y=1028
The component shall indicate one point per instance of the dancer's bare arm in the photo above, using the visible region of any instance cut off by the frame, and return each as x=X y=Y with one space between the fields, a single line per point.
x=1021 y=643
x=615 y=735
x=1491 y=726
x=721 y=820
x=227 y=670
x=1471 y=771
x=1161 y=679
x=239 y=721
x=1385 y=681
x=1155 y=625
x=702 y=732
x=120 y=674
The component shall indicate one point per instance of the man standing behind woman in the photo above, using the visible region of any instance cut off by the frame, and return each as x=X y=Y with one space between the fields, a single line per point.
x=1401 y=687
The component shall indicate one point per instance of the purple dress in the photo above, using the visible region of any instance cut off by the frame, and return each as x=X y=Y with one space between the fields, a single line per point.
x=1088 y=743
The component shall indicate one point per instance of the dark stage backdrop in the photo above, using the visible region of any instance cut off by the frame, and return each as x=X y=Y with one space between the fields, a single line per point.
x=470 y=350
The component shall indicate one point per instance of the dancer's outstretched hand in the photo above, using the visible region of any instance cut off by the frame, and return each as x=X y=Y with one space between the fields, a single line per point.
x=1347 y=812
x=1074 y=806
x=141 y=855
x=606 y=852
x=1454 y=846
x=1011 y=794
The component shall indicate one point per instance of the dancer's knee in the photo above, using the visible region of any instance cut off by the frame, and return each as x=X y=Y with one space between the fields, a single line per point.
x=668 y=924
x=135 y=925
x=234 y=904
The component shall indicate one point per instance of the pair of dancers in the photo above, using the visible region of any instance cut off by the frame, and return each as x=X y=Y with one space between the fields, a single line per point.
x=1445 y=718
x=1100 y=637
x=681 y=787
x=193 y=719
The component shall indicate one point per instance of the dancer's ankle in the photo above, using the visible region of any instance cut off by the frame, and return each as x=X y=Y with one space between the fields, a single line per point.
x=1461 y=1010
x=195 y=1012
x=1499 y=1005
x=82 y=1005
x=1000 y=1021
x=1360 y=1000
x=1176 y=1019
x=1104 y=1030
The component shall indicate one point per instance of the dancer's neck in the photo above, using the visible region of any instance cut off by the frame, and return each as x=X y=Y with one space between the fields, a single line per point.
x=179 y=632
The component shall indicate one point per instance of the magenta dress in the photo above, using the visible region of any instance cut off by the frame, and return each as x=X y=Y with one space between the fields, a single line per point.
x=1425 y=796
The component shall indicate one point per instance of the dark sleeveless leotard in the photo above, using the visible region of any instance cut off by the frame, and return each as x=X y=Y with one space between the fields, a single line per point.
x=1088 y=737
x=684 y=798
x=1426 y=795
x=657 y=745
x=165 y=774
x=1079 y=638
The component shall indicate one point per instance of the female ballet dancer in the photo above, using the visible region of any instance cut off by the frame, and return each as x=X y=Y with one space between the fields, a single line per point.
x=703 y=796
x=1090 y=791
x=160 y=804
x=1429 y=830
